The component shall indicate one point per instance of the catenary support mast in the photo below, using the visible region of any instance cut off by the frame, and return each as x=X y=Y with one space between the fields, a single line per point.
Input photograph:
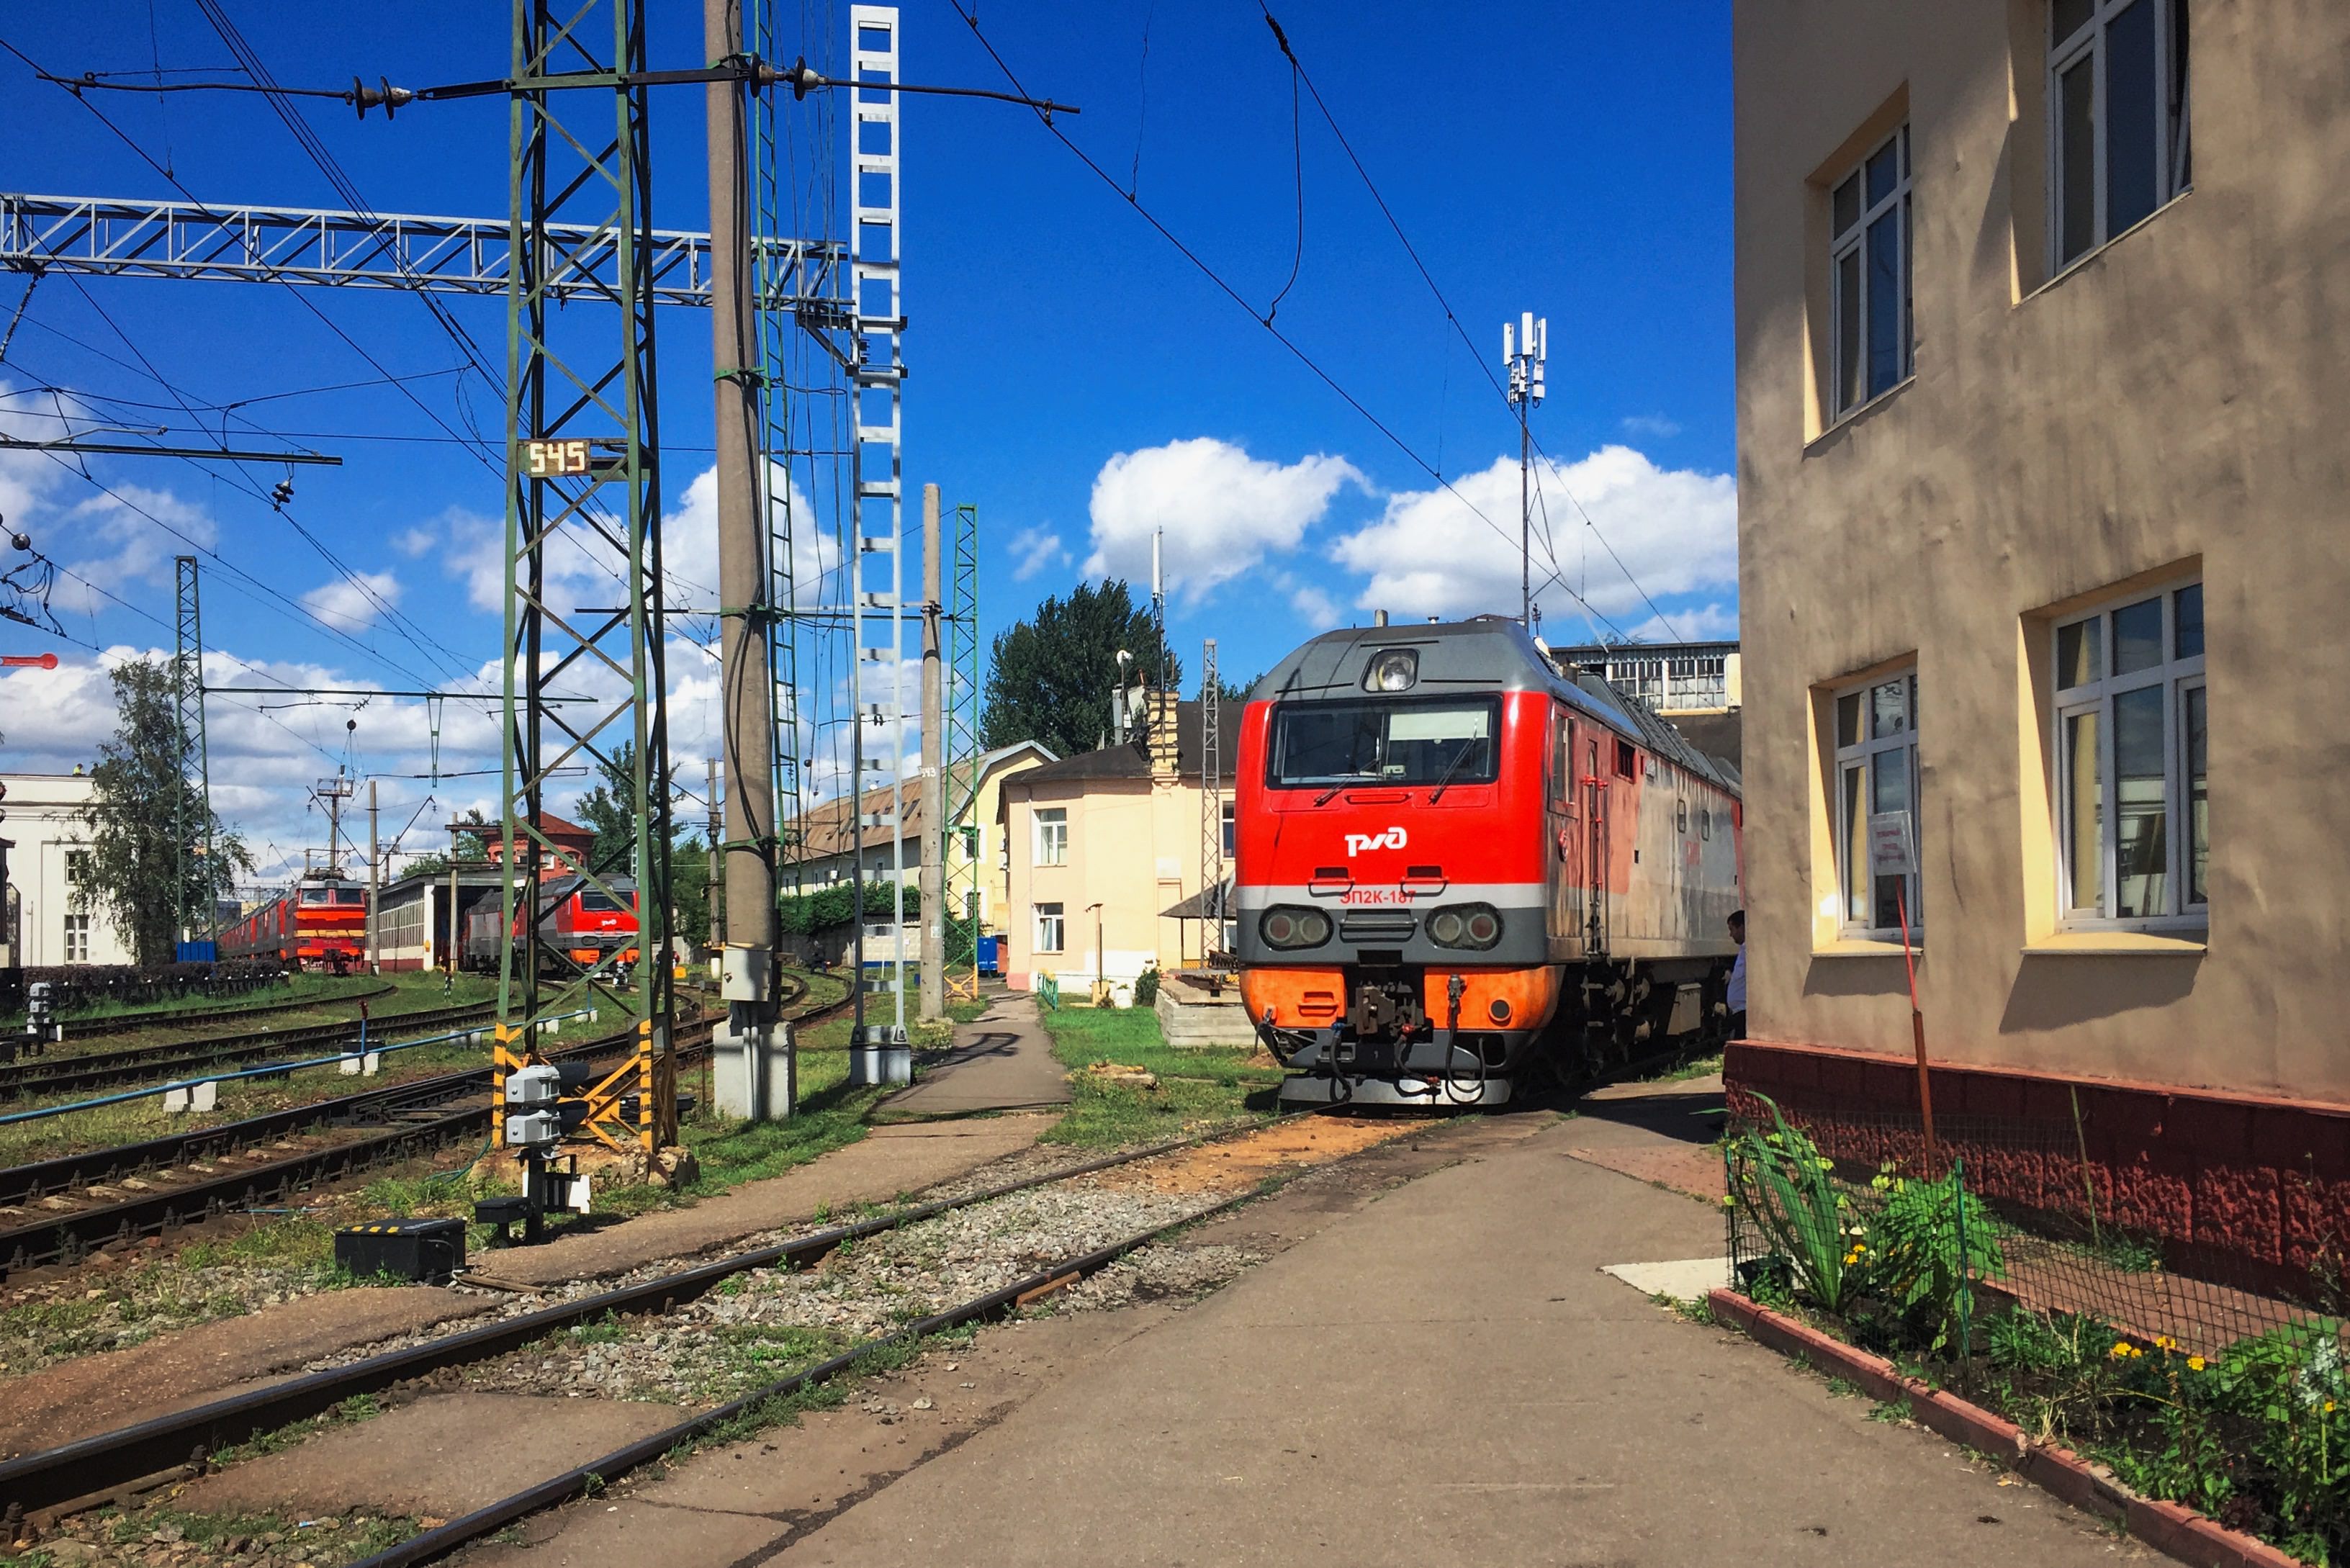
x=582 y=480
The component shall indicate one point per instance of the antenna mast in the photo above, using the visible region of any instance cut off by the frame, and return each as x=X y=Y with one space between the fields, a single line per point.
x=1525 y=347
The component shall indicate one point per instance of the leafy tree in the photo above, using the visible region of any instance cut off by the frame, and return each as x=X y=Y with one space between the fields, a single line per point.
x=1050 y=677
x=1231 y=696
x=607 y=811
x=137 y=855
x=470 y=846
x=689 y=884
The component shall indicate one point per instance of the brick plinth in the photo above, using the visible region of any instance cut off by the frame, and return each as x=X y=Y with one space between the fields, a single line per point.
x=2251 y=1190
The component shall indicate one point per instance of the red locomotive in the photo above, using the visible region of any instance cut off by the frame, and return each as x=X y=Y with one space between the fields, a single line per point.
x=579 y=924
x=1457 y=860
x=318 y=923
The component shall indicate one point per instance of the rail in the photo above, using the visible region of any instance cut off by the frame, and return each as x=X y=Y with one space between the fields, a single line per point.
x=111 y=1460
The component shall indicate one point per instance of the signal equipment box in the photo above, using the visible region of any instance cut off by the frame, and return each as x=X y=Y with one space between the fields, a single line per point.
x=428 y=1251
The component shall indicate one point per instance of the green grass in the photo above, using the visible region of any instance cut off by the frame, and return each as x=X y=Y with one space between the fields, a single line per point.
x=325 y=1542
x=1196 y=1089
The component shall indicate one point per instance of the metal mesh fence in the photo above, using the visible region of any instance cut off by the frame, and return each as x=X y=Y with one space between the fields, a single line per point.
x=1995 y=1265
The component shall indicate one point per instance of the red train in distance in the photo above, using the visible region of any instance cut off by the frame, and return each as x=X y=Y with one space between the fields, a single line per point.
x=585 y=926
x=1457 y=862
x=320 y=922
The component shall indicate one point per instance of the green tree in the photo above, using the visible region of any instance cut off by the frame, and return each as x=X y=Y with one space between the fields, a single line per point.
x=606 y=809
x=137 y=855
x=689 y=881
x=1231 y=696
x=470 y=849
x=1050 y=677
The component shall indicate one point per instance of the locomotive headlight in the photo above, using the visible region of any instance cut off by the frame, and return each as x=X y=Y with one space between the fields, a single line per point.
x=1289 y=927
x=1392 y=670
x=1465 y=925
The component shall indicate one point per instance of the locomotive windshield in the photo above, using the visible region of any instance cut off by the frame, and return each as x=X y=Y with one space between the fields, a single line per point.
x=1384 y=743
x=597 y=903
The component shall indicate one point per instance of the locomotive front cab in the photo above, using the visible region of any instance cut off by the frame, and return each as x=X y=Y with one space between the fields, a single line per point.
x=1393 y=932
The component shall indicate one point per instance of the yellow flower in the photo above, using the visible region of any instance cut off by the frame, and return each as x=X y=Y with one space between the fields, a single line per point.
x=2123 y=1350
x=2194 y=1363
x=2164 y=1342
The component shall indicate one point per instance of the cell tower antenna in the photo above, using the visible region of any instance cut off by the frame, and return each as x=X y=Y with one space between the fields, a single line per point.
x=1525 y=349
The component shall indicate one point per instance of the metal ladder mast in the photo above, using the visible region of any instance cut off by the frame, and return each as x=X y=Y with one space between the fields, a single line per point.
x=962 y=751
x=583 y=476
x=876 y=613
x=1211 y=804
x=194 y=804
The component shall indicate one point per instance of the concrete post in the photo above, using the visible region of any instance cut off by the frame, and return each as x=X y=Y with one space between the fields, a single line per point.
x=375 y=887
x=935 y=827
x=754 y=1076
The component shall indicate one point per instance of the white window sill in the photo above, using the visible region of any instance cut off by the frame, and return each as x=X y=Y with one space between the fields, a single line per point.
x=1866 y=947
x=1859 y=411
x=2111 y=944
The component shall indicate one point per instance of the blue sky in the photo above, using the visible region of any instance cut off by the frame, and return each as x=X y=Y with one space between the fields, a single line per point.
x=1071 y=373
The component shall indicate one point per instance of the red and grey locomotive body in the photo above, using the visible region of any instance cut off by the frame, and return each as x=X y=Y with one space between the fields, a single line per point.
x=578 y=924
x=1454 y=857
x=318 y=923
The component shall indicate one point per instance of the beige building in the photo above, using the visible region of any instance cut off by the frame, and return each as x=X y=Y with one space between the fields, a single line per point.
x=2041 y=396
x=1100 y=845
x=827 y=848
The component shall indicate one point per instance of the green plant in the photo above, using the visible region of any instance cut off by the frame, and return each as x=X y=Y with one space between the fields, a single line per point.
x=1146 y=987
x=1783 y=1184
x=1923 y=1252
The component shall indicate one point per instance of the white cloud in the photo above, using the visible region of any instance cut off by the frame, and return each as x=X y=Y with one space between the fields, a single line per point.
x=1427 y=553
x=414 y=542
x=1223 y=510
x=1655 y=426
x=1317 y=609
x=1691 y=623
x=1034 y=549
x=352 y=602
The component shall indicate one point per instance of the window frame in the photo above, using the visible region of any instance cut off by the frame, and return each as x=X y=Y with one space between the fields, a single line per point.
x=1853 y=242
x=2174 y=137
x=1861 y=756
x=2175 y=676
x=1056 y=912
x=75 y=935
x=1049 y=817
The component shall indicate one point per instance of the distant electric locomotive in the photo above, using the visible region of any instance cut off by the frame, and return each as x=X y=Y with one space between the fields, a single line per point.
x=1454 y=857
x=320 y=923
x=578 y=926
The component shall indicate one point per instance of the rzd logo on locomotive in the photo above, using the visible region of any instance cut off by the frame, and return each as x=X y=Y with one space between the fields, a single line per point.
x=1356 y=843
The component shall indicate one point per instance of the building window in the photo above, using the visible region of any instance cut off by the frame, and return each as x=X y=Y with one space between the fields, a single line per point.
x=2117 y=102
x=1053 y=836
x=1050 y=928
x=1868 y=274
x=77 y=939
x=1876 y=773
x=2133 y=830
x=1230 y=840
x=77 y=879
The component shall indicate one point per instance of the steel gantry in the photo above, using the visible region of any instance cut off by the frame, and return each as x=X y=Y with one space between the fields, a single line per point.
x=104 y=236
x=582 y=484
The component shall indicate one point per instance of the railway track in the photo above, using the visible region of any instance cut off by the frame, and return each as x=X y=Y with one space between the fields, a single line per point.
x=74 y=1474
x=198 y=1017
x=91 y=1070
x=58 y=1210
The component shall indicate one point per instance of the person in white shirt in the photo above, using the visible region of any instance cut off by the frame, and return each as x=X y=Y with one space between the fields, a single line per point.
x=1736 y=995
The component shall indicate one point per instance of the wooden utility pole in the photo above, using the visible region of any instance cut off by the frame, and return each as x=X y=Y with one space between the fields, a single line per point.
x=714 y=825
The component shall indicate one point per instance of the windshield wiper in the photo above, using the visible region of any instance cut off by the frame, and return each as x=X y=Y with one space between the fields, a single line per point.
x=1323 y=798
x=1444 y=782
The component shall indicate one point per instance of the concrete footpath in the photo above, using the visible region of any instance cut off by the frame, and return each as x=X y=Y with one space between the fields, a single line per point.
x=1003 y=1061
x=1445 y=1378
x=1428 y=1370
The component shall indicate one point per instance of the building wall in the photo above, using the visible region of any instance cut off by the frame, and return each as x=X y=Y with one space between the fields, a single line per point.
x=2172 y=402
x=44 y=822
x=1134 y=848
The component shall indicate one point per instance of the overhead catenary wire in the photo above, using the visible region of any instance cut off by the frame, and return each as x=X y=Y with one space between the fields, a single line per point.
x=1233 y=293
x=1299 y=73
